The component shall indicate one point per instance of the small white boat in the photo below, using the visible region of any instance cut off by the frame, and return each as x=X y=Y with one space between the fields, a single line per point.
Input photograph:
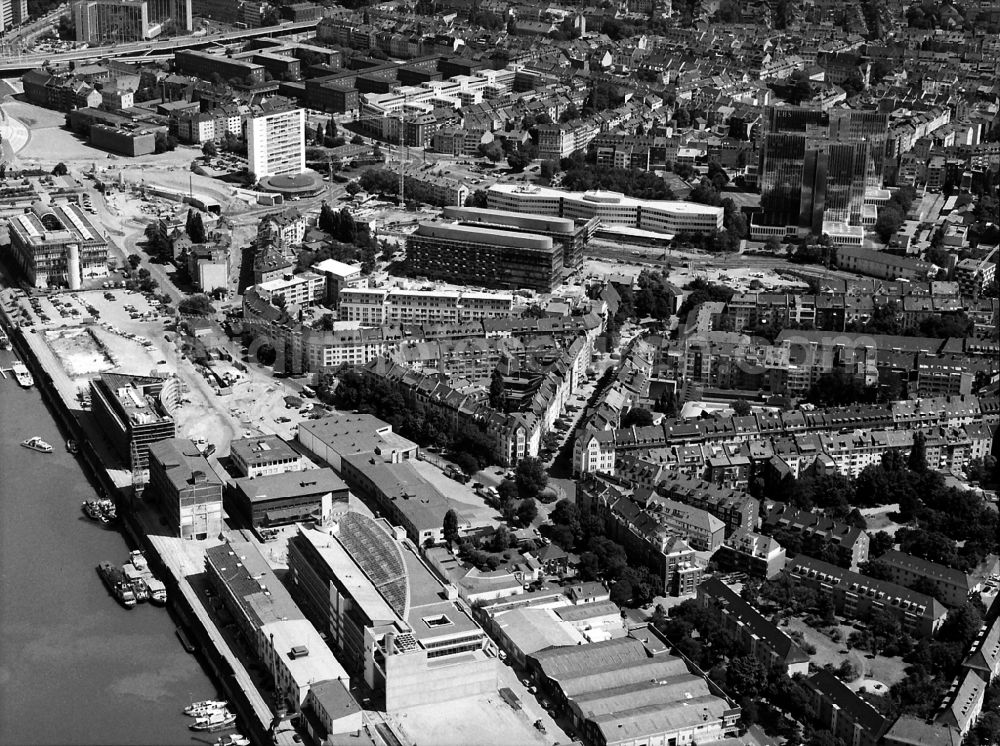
x=37 y=444
x=233 y=739
x=211 y=705
x=217 y=721
x=21 y=373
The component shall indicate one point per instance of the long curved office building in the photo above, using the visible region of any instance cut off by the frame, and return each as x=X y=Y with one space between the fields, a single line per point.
x=610 y=208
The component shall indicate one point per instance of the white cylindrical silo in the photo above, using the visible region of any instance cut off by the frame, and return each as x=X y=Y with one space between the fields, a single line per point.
x=73 y=266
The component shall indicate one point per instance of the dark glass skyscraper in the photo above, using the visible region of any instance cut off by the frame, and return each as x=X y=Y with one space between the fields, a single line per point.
x=816 y=165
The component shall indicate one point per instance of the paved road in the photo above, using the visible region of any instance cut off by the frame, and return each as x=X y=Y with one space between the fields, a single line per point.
x=15 y=63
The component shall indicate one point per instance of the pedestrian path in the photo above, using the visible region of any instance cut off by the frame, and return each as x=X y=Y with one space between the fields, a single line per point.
x=14 y=133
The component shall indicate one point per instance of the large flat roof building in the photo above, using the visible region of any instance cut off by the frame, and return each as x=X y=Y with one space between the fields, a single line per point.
x=629 y=690
x=610 y=208
x=394 y=622
x=571 y=234
x=335 y=437
x=279 y=499
x=278 y=633
x=489 y=257
x=133 y=412
x=56 y=244
x=187 y=488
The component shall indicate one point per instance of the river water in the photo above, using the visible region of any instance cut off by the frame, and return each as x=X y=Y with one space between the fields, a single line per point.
x=75 y=667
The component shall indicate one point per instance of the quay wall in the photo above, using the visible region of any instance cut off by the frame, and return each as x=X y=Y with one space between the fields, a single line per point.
x=225 y=669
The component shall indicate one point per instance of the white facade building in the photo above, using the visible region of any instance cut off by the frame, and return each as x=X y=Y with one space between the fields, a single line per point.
x=276 y=142
x=306 y=289
x=379 y=306
x=611 y=208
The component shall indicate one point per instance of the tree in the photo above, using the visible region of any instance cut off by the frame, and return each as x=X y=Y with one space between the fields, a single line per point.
x=745 y=676
x=66 y=28
x=196 y=305
x=530 y=476
x=134 y=260
x=60 y=169
x=622 y=592
x=741 y=408
x=195 y=228
x=163 y=142
x=637 y=417
x=566 y=513
x=518 y=161
x=476 y=199
x=917 y=460
x=357 y=140
x=666 y=403
x=498 y=397
x=328 y=219
x=889 y=220
x=451 y=527
x=527 y=510
x=319 y=136
x=209 y=149
x=548 y=169
x=491 y=151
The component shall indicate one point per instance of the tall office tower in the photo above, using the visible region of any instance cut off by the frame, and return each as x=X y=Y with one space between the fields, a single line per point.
x=276 y=141
x=173 y=16
x=18 y=11
x=817 y=165
x=118 y=21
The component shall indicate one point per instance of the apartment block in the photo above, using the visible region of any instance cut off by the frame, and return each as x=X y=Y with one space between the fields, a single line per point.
x=205 y=65
x=755 y=554
x=276 y=141
x=381 y=306
x=850 y=541
x=857 y=596
x=699 y=528
x=735 y=508
x=843 y=712
x=757 y=635
x=306 y=289
x=951 y=587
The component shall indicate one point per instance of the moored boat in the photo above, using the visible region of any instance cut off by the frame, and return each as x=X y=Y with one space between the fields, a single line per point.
x=206 y=711
x=136 y=581
x=4 y=340
x=72 y=446
x=119 y=587
x=37 y=444
x=216 y=703
x=102 y=510
x=216 y=721
x=233 y=739
x=21 y=373
x=157 y=590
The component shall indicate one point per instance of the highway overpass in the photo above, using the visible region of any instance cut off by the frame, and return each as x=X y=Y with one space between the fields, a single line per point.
x=17 y=64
